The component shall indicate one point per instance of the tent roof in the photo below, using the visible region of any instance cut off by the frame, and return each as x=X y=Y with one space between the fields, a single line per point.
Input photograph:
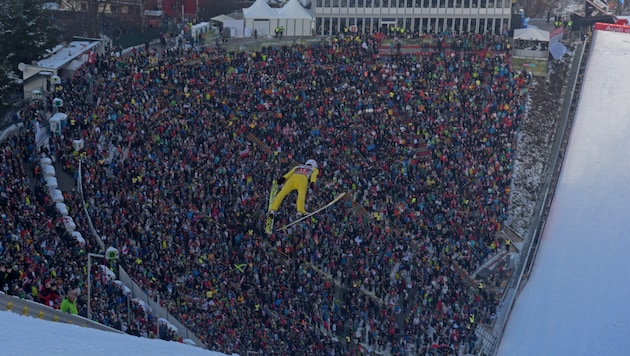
x=155 y=13
x=557 y=50
x=260 y=10
x=294 y=10
x=531 y=34
x=221 y=18
x=60 y=56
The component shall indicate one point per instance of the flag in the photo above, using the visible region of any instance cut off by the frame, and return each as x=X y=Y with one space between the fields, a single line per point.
x=244 y=153
x=91 y=57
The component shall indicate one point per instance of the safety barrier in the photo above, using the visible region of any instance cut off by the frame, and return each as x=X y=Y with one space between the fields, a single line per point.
x=30 y=308
x=136 y=291
x=157 y=310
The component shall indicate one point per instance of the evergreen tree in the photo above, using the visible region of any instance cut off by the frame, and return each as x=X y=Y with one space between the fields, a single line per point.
x=26 y=32
x=6 y=74
x=6 y=83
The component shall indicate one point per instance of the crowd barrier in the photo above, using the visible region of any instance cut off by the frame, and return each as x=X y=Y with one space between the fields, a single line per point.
x=135 y=290
x=37 y=310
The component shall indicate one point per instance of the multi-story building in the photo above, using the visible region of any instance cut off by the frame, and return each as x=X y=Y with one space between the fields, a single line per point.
x=412 y=16
x=179 y=8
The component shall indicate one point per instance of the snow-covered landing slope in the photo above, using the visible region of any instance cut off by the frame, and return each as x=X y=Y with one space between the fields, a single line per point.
x=577 y=299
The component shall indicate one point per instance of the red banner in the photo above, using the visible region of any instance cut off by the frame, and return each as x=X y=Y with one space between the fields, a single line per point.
x=556 y=35
x=611 y=27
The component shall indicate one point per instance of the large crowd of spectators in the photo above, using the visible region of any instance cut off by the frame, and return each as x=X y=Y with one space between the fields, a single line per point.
x=177 y=166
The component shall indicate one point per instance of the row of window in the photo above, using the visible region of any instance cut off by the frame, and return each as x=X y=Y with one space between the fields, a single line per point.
x=336 y=25
x=454 y=4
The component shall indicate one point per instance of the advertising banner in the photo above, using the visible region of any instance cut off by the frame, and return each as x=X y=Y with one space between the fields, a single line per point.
x=611 y=27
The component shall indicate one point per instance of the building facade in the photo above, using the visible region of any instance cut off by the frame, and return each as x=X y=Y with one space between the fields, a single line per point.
x=412 y=16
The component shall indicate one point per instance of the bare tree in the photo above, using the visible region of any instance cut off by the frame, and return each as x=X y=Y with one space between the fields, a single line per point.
x=144 y=5
x=536 y=8
x=85 y=15
x=90 y=14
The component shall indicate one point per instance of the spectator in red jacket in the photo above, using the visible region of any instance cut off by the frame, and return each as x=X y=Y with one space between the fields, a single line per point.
x=48 y=294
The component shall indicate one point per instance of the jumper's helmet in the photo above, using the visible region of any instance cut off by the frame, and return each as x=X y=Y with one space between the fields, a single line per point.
x=311 y=162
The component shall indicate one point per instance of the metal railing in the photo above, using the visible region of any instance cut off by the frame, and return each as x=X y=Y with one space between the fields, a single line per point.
x=530 y=53
x=135 y=39
x=156 y=309
x=136 y=291
x=37 y=310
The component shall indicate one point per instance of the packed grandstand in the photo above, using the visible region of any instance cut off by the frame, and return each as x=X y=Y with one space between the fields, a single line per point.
x=177 y=161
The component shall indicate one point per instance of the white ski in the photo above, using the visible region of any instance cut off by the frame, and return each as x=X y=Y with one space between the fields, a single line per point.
x=272 y=196
x=312 y=213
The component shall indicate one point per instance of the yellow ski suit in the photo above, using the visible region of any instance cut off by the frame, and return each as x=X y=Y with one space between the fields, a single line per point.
x=298 y=179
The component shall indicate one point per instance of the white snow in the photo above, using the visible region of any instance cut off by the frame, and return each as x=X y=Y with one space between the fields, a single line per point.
x=576 y=299
x=22 y=335
x=65 y=54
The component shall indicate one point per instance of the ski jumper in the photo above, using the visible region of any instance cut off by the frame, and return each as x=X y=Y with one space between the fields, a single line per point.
x=298 y=179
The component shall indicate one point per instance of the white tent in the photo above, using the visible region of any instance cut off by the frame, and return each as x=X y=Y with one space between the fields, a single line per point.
x=51 y=182
x=200 y=31
x=110 y=275
x=77 y=235
x=57 y=123
x=531 y=43
x=69 y=224
x=293 y=17
x=531 y=34
x=293 y=10
x=296 y=20
x=557 y=50
x=62 y=209
x=236 y=27
x=45 y=160
x=49 y=170
x=221 y=18
x=259 y=10
x=56 y=195
x=78 y=144
x=259 y=17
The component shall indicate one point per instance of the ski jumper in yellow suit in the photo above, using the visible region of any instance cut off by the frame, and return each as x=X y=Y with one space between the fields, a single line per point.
x=298 y=179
